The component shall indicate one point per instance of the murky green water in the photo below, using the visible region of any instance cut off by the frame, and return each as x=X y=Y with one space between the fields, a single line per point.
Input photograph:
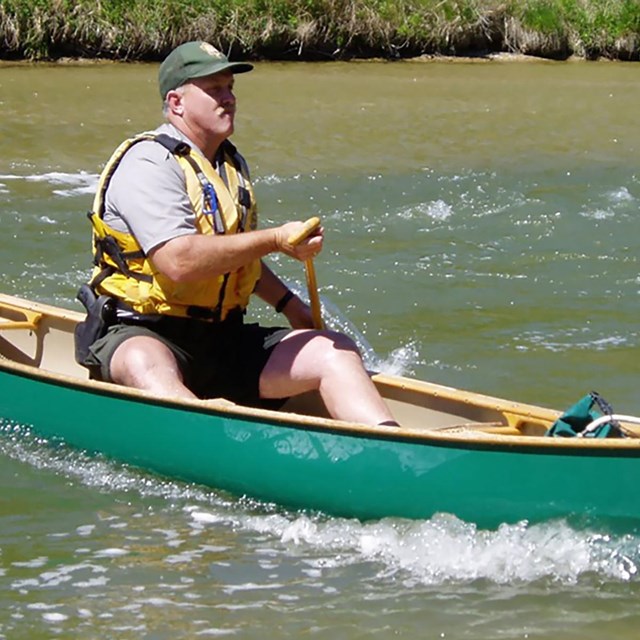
x=482 y=233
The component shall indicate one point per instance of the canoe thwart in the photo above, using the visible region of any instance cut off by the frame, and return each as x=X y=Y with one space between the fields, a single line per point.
x=28 y=319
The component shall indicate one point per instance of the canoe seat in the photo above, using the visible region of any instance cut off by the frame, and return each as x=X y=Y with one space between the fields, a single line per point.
x=27 y=319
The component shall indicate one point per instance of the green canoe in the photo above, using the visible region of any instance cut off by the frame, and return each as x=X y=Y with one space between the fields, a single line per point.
x=484 y=459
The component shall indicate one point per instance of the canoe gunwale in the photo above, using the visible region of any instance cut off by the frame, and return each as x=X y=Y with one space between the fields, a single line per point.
x=463 y=436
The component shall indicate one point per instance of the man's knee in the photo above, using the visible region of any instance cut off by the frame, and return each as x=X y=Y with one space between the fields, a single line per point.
x=340 y=350
x=138 y=358
x=343 y=342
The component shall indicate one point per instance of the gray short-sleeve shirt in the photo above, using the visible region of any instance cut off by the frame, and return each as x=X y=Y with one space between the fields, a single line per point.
x=147 y=194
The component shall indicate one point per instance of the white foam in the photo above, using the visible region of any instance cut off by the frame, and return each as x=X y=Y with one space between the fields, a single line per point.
x=110 y=553
x=35 y=563
x=86 y=530
x=568 y=341
x=78 y=183
x=621 y=195
x=399 y=361
x=436 y=210
x=444 y=548
x=598 y=214
x=55 y=617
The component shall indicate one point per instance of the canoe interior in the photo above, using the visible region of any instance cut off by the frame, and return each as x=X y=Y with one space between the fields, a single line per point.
x=39 y=336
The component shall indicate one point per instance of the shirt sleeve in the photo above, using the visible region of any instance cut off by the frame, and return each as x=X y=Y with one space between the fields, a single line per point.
x=147 y=197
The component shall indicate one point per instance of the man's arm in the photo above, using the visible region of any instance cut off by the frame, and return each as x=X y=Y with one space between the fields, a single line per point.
x=271 y=289
x=195 y=257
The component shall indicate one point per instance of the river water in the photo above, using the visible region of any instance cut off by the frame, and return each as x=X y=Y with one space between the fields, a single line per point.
x=481 y=223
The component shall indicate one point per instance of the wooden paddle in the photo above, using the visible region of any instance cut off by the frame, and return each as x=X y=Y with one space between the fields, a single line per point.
x=312 y=286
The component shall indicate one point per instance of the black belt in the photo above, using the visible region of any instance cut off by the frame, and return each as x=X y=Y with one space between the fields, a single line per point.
x=181 y=324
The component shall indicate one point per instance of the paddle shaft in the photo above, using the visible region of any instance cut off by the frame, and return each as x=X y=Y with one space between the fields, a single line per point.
x=314 y=298
x=312 y=285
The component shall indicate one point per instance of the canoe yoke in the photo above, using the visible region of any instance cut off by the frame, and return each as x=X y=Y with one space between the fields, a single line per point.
x=30 y=321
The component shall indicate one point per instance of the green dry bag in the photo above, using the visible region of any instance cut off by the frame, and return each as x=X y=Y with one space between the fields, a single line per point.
x=573 y=421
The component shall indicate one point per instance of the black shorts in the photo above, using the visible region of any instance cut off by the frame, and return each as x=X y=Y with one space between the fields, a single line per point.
x=221 y=360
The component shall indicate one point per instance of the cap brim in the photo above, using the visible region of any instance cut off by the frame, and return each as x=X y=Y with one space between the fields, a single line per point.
x=234 y=67
x=241 y=67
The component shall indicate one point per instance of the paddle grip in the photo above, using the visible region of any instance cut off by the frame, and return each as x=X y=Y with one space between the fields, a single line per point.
x=309 y=227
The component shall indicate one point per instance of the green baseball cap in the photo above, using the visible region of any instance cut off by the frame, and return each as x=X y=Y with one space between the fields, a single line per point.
x=194 y=60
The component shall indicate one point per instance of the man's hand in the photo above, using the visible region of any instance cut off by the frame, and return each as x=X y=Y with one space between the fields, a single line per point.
x=306 y=249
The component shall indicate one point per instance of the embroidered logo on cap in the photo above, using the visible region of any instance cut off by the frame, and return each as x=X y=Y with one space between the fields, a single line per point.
x=211 y=50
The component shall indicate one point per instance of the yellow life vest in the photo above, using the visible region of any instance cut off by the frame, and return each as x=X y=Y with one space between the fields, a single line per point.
x=223 y=203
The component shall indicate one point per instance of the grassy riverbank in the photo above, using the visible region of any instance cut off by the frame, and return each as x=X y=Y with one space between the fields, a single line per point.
x=320 y=29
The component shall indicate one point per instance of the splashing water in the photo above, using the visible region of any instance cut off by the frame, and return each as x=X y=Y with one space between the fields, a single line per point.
x=435 y=551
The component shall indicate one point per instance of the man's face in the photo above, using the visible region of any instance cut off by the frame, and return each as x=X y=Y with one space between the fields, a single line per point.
x=210 y=105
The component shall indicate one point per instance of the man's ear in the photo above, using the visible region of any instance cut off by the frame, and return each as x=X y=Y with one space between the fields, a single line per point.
x=174 y=102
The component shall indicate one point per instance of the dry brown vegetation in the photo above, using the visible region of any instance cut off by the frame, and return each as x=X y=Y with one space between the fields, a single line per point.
x=320 y=29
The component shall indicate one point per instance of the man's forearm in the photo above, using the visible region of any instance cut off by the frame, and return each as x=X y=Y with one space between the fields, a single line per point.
x=270 y=288
x=195 y=257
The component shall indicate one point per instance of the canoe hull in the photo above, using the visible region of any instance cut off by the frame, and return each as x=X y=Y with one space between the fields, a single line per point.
x=366 y=475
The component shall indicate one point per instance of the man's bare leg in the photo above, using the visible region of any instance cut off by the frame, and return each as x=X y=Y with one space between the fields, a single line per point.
x=145 y=363
x=330 y=362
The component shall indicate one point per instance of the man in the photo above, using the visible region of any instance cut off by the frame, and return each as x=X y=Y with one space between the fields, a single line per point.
x=176 y=246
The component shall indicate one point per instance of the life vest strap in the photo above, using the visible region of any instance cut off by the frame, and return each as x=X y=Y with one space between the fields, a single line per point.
x=109 y=245
x=209 y=198
x=173 y=145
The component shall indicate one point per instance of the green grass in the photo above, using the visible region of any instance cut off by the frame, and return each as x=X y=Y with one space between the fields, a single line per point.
x=593 y=28
x=319 y=29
